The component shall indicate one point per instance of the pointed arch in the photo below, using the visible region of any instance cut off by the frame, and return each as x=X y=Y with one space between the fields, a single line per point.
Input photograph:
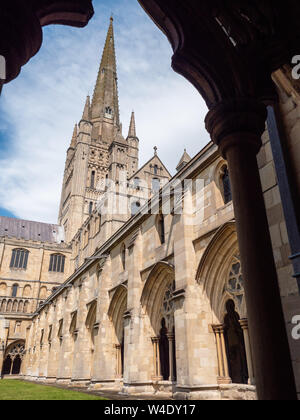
x=13 y=358
x=215 y=268
x=91 y=316
x=117 y=308
x=159 y=278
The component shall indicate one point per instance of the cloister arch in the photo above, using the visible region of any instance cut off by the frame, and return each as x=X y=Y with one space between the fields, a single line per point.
x=160 y=277
x=220 y=277
x=13 y=358
x=214 y=271
x=158 y=305
x=116 y=311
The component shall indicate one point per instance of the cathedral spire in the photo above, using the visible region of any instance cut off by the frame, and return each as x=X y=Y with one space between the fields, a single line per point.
x=105 y=103
x=132 y=127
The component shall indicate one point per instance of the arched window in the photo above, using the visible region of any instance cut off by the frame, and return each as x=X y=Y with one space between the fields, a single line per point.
x=57 y=263
x=226 y=186
x=14 y=290
x=108 y=112
x=155 y=185
x=135 y=208
x=19 y=259
x=123 y=256
x=155 y=169
x=93 y=175
x=91 y=207
x=161 y=228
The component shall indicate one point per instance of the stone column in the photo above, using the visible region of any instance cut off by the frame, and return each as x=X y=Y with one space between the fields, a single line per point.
x=236 y=127
x=119 y=361
x=224 y=377
x=244 y=325
x=171 y=338
x=156 y=359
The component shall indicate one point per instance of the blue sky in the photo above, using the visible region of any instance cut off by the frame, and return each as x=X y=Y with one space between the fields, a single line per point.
x=39 y=109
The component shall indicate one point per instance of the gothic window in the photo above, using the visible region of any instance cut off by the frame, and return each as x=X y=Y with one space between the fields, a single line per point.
x=226 y=186
x=19 y=259
x=57 y=263
x=235 y=283
x=123 y=256
x=155 y=169
x=161 y=228
x=155 y=185
x=14 y=290
x=108 y=112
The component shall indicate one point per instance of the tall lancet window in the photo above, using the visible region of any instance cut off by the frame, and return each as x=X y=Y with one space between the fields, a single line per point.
x=93 y=175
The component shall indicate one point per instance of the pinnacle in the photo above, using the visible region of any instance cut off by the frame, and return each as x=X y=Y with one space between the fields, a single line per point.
x=74 y=137
x=132 y=127
x=86 y=113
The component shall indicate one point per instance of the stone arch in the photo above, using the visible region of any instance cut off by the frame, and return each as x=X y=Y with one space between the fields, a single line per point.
x=13 y=358
x=43 y=293
x=91 y=316
x=3 y=306
x=215 y=267
x=117 y=308
x=26 y=307
x=27 y=291
x=21 y=306
x=160 y=277
x=116 y=311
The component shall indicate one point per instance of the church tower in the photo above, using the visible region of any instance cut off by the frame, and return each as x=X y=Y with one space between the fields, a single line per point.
x=98 y=149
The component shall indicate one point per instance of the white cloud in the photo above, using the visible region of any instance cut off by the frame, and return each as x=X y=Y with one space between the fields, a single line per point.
x=44 y=103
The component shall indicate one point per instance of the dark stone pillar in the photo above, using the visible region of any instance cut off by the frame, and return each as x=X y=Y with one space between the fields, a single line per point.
x=236 y=127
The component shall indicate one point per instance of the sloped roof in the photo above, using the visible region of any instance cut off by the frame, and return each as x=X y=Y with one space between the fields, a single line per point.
x=30 y=231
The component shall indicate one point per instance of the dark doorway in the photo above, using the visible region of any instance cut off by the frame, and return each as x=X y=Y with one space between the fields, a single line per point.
x=16 y=366
x=164 y=351
x=235 y=346
x=6 y=366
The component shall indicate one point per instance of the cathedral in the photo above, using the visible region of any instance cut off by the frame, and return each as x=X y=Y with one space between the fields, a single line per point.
x=139 y=287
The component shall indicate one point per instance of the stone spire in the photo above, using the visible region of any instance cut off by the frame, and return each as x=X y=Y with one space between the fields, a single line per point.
x=132 y=127
x=86 y=116
x=74 y=137
x=105 y=103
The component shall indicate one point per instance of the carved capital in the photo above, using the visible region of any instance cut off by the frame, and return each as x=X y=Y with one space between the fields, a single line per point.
x=239 y=122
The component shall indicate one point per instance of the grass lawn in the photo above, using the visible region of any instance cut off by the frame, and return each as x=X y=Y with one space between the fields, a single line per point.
x=23 y=391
